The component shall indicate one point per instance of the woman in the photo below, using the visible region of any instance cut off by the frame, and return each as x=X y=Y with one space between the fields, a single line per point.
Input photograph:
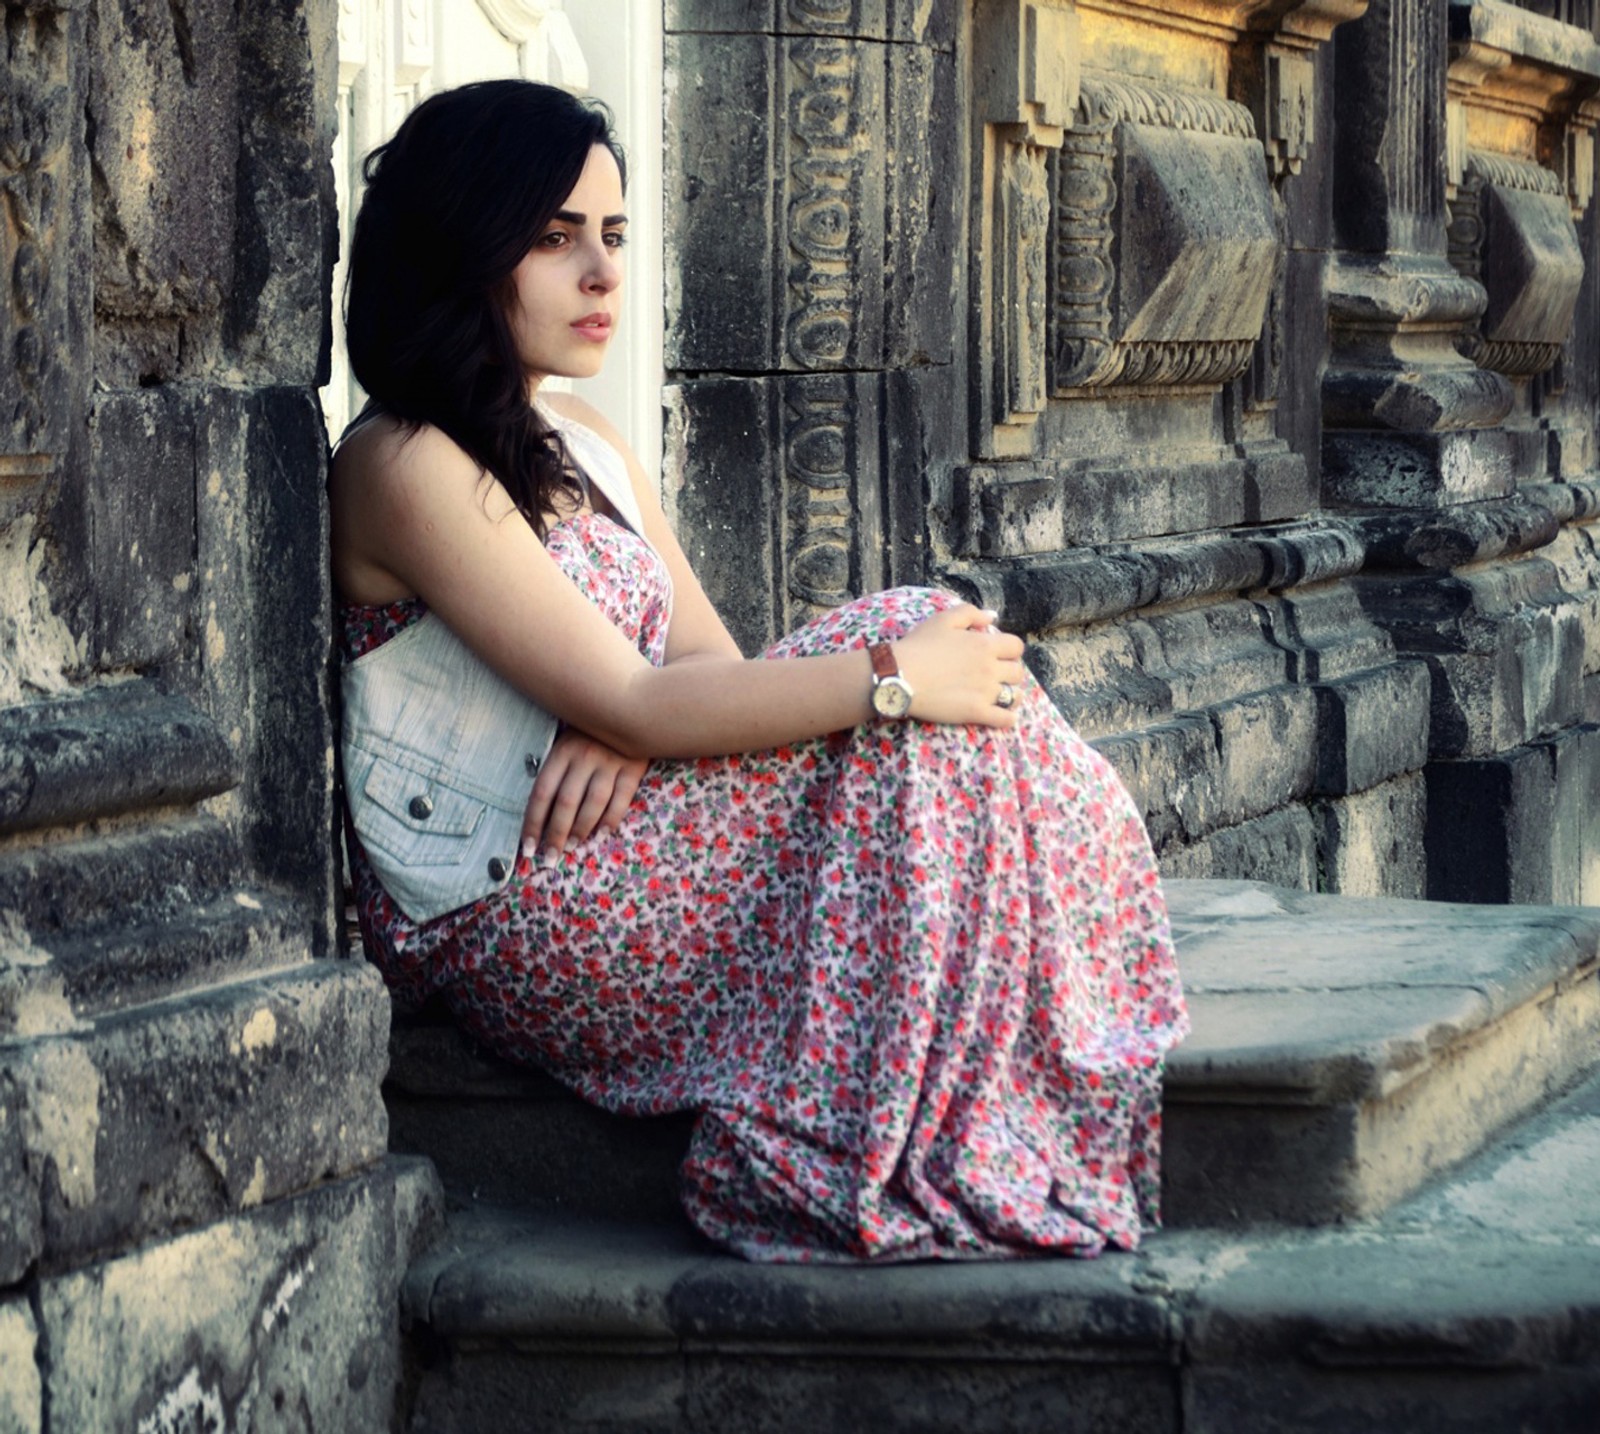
x=873 y=910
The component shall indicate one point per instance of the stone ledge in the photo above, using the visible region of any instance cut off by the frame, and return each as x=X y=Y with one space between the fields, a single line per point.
x=1039 y=595
x=66 y=889
x=1344 y=1050
x=150 y=956
x=104 y=751
x=1438 y=539
x=121 y=1129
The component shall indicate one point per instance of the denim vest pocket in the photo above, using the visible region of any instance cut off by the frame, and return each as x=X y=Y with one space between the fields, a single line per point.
x=411 y=818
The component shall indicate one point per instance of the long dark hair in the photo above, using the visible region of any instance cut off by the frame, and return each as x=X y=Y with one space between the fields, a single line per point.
x=453 y=203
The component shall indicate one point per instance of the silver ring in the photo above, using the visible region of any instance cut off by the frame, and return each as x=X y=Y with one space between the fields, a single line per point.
x=1007 y=697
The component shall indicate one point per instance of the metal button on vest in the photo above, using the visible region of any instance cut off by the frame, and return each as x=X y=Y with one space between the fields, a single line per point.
x=531 y=763
x=421 y=808
x=497 y=869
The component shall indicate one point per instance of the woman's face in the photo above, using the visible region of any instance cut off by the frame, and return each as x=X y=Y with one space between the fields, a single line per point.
x=568 y=287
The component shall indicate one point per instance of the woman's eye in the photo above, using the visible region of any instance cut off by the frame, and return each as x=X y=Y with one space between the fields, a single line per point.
x=615 y=239
x=553 y=240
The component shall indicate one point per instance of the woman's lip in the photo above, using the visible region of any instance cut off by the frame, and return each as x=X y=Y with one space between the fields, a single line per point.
x=595 y=327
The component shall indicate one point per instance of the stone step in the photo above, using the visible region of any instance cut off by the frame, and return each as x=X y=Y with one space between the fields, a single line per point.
x=1343 y=1050
x=1473 y=1307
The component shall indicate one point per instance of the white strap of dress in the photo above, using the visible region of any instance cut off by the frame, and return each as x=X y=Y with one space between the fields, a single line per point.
x=602 y=464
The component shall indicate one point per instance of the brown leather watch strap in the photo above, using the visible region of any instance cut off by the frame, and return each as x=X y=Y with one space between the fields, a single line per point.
x=883 y=663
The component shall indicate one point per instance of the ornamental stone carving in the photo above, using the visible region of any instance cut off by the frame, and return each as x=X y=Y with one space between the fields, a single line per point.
x=1168 y=244
x=1511 y=229
x=36 y=197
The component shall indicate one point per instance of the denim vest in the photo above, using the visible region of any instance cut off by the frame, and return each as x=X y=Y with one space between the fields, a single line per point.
x=440 y=752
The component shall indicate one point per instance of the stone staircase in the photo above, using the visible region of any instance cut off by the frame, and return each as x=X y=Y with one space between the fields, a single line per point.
x=1378 y=1219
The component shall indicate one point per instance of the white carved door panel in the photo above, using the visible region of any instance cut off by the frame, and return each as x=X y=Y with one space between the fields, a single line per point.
x=394 y=53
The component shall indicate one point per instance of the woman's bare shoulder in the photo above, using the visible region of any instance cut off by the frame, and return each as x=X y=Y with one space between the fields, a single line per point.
x=385 y=455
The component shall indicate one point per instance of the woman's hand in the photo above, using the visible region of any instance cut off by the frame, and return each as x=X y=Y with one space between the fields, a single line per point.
x=583 y=785
x=959 y=664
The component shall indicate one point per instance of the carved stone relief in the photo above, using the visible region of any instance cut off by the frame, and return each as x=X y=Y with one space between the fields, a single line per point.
x=829 y=127
x=1168 y=242
x=1026 y=63
x=819 y=443
x=1164 y=242
x=35 y=185
x=1512 y=230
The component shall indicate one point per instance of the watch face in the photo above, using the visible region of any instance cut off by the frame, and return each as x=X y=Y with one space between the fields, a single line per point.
x=891 y=697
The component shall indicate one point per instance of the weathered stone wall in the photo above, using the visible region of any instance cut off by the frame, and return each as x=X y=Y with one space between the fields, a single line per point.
x=193 y=1191
x=1243 y=357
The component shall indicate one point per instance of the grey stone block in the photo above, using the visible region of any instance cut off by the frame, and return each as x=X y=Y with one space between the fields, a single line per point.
x=278 y=324
x=1402 y=1335
x=1267 y=748
x=281 y=694
x=1169 y=770
x=163 y=133
x=142 y=524
x=65 y=889
x=1410 y=469
x=1280 y=848
x=21 y=1390
x=1372 y=843
x=1371 y=726
x=179 y=1111
x=1491 y=825
x=108 y=750
x=1505 y=645
x=280 y=1317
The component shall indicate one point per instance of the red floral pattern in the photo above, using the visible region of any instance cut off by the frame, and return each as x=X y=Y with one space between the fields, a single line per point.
x=917 y=980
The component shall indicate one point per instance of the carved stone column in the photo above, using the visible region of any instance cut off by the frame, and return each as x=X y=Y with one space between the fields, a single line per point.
x=809 y=325
x=1025 y=86
x=1408 y=420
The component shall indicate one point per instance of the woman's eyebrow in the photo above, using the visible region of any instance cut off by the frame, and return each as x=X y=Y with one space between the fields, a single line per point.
x=571 y=216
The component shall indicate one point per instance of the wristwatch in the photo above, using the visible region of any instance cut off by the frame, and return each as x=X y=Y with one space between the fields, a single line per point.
x=891 y=693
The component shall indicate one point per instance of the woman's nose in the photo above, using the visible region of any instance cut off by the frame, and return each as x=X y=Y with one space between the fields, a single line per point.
x=605 y=272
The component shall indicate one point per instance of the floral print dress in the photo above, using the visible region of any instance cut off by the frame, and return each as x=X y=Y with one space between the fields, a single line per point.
x=916 y=980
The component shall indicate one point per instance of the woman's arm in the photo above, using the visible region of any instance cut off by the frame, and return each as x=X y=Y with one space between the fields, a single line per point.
x=417 y=512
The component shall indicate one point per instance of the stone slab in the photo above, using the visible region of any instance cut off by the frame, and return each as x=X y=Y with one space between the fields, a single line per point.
x=21 y=1390
x=1345 y=1050
x=178 y=1111
x=280 y=1317
x=1371 y=843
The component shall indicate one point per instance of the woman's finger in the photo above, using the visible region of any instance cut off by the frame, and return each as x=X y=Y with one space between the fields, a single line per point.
x=545 y=787
x=564 y=811
x=622 y=794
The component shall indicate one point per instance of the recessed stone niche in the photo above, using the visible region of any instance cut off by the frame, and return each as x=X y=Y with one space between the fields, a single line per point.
x=1129 y=267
